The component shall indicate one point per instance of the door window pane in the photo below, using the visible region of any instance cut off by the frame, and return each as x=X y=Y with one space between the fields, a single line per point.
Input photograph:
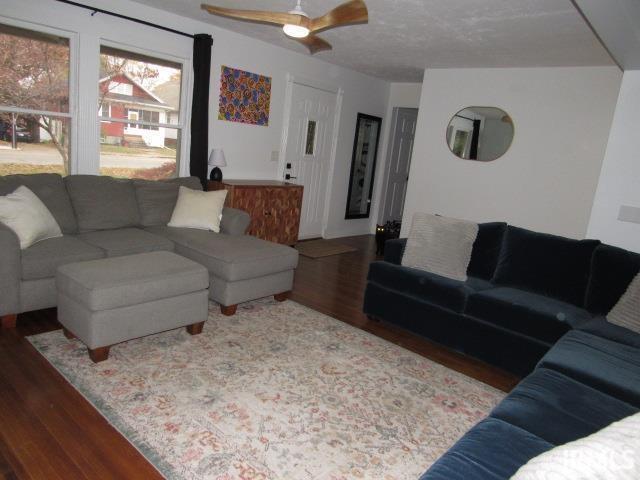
x=144 y=95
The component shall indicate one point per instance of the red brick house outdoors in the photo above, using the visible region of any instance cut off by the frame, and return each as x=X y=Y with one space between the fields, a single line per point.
x=124 y=98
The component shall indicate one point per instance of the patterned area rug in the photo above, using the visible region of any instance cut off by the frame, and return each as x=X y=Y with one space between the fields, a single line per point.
x=278 y=391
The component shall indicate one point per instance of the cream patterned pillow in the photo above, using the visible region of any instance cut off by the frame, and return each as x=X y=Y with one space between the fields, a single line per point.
x=196 y=209
x=24 y=213
x=626 y=313
x=440 y=245
x=612 y=453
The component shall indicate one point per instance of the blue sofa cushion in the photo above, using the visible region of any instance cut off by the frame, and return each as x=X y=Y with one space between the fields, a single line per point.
x=394 y=249
x=442 y=291
x=612 y=270
x=559 y=409
x=600 y=327
x=528 y=313
x=486 y=250
x=606 y=365
x=554 y=266
x=492 y=450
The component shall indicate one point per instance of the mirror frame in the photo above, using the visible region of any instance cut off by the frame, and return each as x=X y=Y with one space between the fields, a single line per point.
x=446 y=134
x=363 y=116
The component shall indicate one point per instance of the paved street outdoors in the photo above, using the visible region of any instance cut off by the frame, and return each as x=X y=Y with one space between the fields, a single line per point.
x=110 y=156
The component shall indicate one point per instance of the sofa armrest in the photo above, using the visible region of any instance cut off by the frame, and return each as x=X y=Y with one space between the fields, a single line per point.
x=10 y=271
x=394 y=249
x=234 y=221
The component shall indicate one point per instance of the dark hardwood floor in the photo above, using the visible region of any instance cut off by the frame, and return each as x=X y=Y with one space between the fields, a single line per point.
x=48 y=430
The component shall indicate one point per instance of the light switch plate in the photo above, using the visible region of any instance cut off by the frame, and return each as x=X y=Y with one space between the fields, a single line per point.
x=275 y=155
x=629 y=214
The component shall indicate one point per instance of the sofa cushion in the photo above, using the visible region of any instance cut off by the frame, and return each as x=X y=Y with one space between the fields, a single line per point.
x=102 y=203
x=559 y=409
x=486 y=249
x=612 y=270
x=528 y=313
x=157 y=199
x=117 y=282
x=492 y=450
x=601 y=327
x=429 y=287
x=554 y=266
x=42 y=259
x=599 y=362
x=230 y=257
x=50 y=189
x=126 y=241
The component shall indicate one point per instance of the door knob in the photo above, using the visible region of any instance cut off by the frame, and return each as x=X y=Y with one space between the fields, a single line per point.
x=288 y=177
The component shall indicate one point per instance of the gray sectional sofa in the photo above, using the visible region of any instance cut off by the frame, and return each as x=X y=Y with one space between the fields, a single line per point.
x=107 y=217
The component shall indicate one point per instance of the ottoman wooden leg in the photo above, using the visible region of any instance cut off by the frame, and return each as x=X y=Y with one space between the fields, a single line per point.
x=195 y=328
x=281 y=297
x=9 y=321
x=228 y=310
x=68 y=334
x=99 y=354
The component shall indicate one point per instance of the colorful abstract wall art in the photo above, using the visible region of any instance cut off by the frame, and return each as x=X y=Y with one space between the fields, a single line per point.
x=244 y=97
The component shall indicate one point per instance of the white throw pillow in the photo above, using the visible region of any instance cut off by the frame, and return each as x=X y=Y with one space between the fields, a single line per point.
x=626 y=313
x=440 y=245
x=196 y=209
x=611 y=453
x=24 y=213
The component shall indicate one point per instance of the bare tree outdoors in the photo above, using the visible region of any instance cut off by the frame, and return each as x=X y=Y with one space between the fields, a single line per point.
x=34 y=74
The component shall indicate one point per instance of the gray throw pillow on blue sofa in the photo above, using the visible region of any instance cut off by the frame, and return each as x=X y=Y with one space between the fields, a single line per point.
x=626 y=313
x=440 y=245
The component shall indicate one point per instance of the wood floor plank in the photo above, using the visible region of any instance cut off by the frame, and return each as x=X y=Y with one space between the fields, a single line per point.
x=48 y=430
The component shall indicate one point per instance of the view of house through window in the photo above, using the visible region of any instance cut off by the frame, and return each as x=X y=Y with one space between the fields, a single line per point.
x=139 y=113
x=34 y=102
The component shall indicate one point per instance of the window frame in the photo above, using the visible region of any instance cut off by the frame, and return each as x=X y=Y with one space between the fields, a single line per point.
x=72 y=114
x=182 y=127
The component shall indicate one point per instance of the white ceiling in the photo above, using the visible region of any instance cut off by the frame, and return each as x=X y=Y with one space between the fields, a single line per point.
x=405 y=36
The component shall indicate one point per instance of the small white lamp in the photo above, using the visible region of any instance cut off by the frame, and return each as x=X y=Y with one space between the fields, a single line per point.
x=216 y=159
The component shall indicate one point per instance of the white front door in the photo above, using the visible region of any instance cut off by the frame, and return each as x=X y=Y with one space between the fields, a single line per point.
x=308 y=152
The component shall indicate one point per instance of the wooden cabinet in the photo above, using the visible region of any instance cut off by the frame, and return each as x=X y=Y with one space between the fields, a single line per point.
x=274 y=207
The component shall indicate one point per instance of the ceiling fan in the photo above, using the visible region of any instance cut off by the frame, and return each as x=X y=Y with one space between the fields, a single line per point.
x=297 y=25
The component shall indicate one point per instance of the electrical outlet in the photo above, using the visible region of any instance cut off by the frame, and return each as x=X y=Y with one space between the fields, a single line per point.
x=275 y=155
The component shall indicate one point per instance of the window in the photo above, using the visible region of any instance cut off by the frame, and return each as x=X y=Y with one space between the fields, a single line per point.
x=105 y=110
x=145 y=116
x=34 y=101
x=137 y=140
x=121 y=88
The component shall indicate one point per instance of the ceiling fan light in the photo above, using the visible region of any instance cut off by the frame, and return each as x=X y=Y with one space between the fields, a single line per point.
x=295 y=31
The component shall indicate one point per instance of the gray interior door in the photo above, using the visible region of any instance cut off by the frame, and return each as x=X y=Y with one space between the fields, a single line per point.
x=399 y=162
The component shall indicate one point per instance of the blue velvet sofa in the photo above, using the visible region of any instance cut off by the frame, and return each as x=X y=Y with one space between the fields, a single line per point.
x=583 y=373
x=586 y=381
x=524 y=292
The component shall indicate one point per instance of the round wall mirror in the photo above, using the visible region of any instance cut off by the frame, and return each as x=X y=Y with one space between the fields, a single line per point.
x=480 y=133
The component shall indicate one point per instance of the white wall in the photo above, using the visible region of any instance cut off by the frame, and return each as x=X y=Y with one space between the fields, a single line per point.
x=248 y=148
x=401 y=95
x=620 y=178
x=547 y=179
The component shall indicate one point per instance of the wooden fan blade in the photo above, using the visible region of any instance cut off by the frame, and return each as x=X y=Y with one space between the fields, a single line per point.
x=273 y=18
x=349 y=13
x=313 y=43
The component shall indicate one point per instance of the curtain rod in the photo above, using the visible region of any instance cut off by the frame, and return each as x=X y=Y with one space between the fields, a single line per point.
x=95 y=10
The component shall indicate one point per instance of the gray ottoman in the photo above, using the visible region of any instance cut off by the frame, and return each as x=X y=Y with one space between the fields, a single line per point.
x=111 y=300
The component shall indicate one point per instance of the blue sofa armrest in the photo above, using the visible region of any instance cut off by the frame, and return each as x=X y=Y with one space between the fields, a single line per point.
x=394 y=249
